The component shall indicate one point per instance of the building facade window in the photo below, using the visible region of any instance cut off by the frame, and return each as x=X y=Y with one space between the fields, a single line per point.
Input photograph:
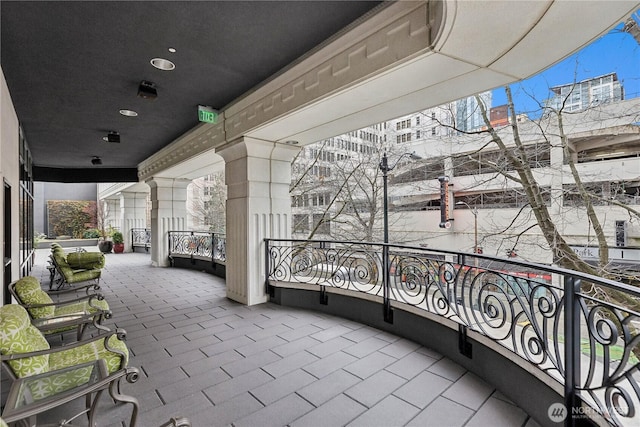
x=323 y=225
x=405 y=137
x=403 y=124
x=300 y=223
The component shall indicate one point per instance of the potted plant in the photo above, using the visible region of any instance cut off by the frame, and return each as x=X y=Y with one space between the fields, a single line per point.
x=118 y=242
x=104 y=243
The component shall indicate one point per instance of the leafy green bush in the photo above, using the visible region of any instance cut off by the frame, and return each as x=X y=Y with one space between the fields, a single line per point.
x=71 y=217
x=91 y=234
x=37 y=238
x=117 y=237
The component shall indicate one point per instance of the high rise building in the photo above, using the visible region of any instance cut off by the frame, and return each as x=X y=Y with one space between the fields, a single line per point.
x=468 y=113
x=586 y=93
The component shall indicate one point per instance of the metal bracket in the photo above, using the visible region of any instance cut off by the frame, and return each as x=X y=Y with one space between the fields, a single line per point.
x=271 y=290
x=464 y=346
x=324 y=297
x=388 y=313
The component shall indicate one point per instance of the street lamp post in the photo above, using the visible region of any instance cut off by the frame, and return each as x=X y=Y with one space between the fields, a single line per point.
x=385 y=168
x=474 y=211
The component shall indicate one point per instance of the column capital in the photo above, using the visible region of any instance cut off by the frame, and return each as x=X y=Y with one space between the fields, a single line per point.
x=133 y=194
x=157 y=182
x=251 y=147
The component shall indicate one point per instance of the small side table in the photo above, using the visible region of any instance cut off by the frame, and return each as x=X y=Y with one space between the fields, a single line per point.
x=21 y=403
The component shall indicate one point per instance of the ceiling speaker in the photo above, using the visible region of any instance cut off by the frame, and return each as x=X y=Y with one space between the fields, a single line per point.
x=147 y=90
x=113 y=137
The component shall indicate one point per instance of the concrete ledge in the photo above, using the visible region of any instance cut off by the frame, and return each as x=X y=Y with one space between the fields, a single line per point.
x=200 y=265
x=514 y=378
x=67 y=243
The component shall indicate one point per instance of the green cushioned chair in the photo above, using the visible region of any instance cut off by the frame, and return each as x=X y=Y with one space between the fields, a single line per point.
x=19 y=336
x=57 y=317
x=85 y=260
x=25 y=352
x=75 y=267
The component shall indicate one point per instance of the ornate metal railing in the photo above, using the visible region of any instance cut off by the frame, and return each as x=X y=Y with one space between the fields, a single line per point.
x=581 y=330
x=141 y=238
x=198 y=245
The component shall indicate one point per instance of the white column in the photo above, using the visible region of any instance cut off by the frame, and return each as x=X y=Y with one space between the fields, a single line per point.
x=133 y=214
x=258 y=176
x=113 y=213
x=168 y=213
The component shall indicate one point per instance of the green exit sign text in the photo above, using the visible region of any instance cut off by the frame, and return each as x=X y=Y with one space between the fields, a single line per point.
x=207 y=114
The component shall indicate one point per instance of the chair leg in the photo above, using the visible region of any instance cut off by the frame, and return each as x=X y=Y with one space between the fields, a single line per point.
x=114 y=391
x=92 y=405
x=81 y=329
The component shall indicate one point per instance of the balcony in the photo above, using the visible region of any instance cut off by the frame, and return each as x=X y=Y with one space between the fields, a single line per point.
x=218 y=362
x=352 y=349
x=509 y=321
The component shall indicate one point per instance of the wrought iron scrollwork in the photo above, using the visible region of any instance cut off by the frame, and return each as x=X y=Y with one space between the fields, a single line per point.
x=141 y=237
x=518 y=305
x=347 y=268
x=201 y=245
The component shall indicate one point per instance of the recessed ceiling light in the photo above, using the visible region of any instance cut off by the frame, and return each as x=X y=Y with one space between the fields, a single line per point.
x=291 y=142
x=172 y=49
x=128 y=113
x=163 y=64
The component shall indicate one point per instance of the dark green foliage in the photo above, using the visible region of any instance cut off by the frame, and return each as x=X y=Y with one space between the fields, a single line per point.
x=117 y=237
x=91 y=234
x=71 y=217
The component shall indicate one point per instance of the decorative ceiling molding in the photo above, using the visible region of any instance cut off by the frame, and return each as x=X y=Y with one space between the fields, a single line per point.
x=197 y=141
x=353 y=59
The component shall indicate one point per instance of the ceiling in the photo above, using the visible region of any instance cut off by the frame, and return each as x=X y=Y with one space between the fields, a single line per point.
x=72 y=66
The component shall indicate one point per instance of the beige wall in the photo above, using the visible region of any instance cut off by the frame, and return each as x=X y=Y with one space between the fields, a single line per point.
x=9 y=173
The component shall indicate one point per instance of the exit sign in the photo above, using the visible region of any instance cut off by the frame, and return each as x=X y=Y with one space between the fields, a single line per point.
x=207 y=114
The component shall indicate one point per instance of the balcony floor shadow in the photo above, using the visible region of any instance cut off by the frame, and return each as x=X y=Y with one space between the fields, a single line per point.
x=220 y=363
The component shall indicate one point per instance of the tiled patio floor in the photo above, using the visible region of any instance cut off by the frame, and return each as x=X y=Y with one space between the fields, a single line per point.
x=220 y=363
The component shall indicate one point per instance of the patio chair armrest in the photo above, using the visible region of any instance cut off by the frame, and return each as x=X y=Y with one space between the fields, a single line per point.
x=120 y=333
x=177 y=422
x=92 y=298
x=45 y=324
x=130 y=374
x=89 y=298
x=92 y=287
x=89 y=287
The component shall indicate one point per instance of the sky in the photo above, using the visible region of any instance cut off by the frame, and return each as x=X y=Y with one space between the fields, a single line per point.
x=614 y=52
